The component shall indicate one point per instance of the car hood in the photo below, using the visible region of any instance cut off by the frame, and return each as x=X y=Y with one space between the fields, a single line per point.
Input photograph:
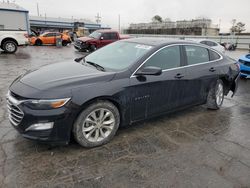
x=245 y=58
x=64 y=75
x=85 y=39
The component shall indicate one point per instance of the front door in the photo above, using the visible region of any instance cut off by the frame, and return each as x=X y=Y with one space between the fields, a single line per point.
x=107 y=38
x=49 y=38
x=152 y=95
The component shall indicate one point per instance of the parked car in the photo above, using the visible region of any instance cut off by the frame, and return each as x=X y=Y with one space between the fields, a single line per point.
x=50 y=38
x=125 y=82
x=244 y=63
x=97 y=39
x=10 y=40
x=212 y=44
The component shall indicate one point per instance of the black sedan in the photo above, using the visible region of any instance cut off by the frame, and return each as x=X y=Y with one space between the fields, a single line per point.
x=124 y=82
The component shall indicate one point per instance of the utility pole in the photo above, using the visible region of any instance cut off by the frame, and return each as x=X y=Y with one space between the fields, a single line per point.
x=98 y=18
x=119 y=23
x=37 y=8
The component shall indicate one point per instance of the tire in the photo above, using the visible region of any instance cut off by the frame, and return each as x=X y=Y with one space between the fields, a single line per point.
x=64 y=43
x=215 y=95
x=10 y=46
x=92 y=48
x=38 y=43
x=90 y=130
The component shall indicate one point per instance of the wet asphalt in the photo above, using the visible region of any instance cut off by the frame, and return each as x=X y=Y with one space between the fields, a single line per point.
x=191 y=148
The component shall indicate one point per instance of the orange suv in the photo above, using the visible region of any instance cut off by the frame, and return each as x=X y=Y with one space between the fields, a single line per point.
x=50 y=38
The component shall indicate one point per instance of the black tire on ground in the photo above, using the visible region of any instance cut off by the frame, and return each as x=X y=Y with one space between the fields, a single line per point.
x=38 y=42
x=212 y=102
x=9 y=46
x=64 y=43
x=92 y=48
x=78 y=125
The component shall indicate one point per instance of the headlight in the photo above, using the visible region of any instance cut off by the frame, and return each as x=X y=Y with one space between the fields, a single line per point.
x=46 y=104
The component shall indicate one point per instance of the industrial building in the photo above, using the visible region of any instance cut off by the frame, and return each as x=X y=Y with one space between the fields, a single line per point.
x=182 y=27
x=13 y=17
x=41 y=23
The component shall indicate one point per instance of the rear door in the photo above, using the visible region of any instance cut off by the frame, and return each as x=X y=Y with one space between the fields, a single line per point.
x=201 y=72
x=153 y=95
x=49 y=38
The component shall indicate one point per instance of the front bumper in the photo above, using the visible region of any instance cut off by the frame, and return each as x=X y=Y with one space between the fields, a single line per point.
x=80 y=46
x=62 y=119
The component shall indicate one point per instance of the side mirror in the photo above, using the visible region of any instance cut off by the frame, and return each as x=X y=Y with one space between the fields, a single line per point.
x=101 y=38
x=79 y=59
x=150 y=70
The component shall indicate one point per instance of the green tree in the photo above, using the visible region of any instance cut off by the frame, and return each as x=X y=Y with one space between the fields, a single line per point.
x=157 y=18
x=237 y=27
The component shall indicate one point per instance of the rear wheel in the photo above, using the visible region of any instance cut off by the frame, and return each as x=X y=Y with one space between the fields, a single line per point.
x=10 y=46
x=38 y=42
x=97 y=124
x=64 y=43
x=216 y=95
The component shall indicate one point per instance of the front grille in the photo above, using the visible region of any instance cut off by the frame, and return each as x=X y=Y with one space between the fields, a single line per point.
x=15 y=113
x=247 y=64
x=78 y=42
x=245 y=72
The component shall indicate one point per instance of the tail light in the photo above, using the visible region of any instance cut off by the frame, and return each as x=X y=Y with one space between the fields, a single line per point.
x=26 y=35
x=238 y=66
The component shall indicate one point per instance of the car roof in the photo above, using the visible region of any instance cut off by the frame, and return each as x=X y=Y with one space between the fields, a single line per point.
x=200 y=40
x=158 y=41
x=106 y=31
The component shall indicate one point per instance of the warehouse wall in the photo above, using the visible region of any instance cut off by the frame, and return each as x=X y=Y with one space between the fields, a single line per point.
x=13 y=20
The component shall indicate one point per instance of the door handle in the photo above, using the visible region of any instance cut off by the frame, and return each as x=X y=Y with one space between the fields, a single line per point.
x=179 y=76
x=212 y=69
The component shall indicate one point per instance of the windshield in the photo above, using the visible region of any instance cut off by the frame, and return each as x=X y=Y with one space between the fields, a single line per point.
x=95 y=35
x=118 y=55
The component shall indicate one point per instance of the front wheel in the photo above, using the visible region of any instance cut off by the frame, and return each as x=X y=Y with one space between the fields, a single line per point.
x=92 y=48
x=216 y=95
x=10 y=46
x=97 y=124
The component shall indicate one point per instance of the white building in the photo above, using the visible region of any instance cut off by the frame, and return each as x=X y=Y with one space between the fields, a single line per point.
x=13 y=17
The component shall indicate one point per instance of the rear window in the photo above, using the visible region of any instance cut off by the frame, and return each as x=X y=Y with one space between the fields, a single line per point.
x=196 y=54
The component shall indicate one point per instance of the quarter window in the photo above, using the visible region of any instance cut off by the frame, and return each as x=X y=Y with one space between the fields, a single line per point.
x=196 y=55
x=213 y=55
x=167 y=58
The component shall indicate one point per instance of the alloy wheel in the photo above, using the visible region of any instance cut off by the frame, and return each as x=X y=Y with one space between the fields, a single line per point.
x=219 y=94
x=98 y=125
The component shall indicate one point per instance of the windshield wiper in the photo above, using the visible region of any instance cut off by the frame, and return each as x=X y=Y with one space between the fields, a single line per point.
x=99 y=67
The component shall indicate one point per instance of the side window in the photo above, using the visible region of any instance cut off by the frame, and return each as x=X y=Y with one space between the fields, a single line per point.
x=196 y=55
x=105 y=36
x=210 y=43
x=204 y=42
x=49 y=35
x=166 y=58
x=113 y=36
x=58 y=35
x=213 y=55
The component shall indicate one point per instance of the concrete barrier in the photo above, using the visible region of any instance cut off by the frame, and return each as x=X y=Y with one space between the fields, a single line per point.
x=243 y=42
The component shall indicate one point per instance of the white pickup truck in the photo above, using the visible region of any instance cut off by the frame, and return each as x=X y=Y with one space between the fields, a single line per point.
x=10 y=40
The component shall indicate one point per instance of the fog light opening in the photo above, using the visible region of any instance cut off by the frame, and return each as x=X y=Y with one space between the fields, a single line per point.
x=40 y=126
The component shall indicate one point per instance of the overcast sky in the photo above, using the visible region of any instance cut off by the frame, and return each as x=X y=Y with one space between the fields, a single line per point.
x=135 y=11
